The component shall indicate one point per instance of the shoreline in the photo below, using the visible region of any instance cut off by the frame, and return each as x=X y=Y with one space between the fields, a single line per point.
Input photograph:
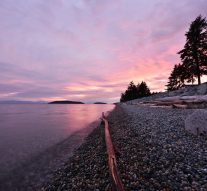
x=154 y=152
x=87 y=169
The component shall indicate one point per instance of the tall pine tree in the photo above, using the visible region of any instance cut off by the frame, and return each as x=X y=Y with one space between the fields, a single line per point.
x=194 y=53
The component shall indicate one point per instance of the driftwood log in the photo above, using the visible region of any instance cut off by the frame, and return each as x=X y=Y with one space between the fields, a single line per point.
x=189 y=102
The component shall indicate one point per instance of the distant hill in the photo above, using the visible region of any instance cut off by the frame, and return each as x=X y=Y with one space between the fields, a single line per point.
x=20 y=102
x=65 y=102
x=100 y=103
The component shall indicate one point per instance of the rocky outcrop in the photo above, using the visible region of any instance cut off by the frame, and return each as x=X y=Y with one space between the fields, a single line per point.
x=196 y=123
x=191 y=96
x=190 y=90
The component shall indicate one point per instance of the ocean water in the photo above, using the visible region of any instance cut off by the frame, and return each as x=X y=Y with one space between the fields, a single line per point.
x=27 y=130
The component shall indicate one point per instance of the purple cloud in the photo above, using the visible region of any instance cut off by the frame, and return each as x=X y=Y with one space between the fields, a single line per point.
x=95 y=47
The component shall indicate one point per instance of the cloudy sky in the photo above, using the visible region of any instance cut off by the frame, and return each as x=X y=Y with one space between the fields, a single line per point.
x=89 y=50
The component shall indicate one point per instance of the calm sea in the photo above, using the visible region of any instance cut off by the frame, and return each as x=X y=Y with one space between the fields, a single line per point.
x=28 y=129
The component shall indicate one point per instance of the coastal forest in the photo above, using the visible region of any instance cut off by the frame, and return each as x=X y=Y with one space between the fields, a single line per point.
x=193 y=63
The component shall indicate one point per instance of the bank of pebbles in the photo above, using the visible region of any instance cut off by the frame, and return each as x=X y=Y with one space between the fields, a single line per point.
x=154 y=152
x=87 y=169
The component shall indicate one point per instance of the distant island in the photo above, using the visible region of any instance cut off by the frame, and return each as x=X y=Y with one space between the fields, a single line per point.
x=100 y=103
x=65 y=102
x=21 y=102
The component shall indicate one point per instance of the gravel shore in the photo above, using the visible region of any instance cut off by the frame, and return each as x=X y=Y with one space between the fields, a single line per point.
x=87 y=169
x=154 y=152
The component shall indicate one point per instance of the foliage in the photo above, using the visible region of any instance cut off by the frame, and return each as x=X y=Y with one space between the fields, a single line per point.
x=134 y=92
x=176 y=79
x=194 y=53
x=143 y=90
x=130 y=93
x=193 y=56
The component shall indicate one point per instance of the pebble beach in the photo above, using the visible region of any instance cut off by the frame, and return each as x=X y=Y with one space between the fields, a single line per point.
x=153 y=150
x=87 y=169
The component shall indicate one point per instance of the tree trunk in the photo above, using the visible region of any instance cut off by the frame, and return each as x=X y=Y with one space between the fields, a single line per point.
x=199 y=78
x=197 y=66
x=198 y=71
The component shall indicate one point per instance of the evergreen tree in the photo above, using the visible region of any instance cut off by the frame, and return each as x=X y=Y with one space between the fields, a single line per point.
x=143 y=90
x=123 y=98
x=134 y=92
x=177 y=77
x=194 y=53
x=131 y=92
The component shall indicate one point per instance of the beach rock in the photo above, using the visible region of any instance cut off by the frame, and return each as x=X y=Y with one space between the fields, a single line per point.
x=202 y=89
x=196 y=123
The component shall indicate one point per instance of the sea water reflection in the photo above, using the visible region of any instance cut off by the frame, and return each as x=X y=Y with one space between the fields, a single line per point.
x=26 y=130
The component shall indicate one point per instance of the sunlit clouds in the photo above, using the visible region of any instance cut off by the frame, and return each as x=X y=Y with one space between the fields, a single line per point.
x=89 y=50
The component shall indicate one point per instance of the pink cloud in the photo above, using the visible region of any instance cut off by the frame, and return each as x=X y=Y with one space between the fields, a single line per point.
x=90 y=50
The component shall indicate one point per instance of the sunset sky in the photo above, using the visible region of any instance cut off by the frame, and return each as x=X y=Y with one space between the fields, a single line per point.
x=89 y=50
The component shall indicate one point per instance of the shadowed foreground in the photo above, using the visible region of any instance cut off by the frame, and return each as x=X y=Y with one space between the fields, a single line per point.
x=154 y=152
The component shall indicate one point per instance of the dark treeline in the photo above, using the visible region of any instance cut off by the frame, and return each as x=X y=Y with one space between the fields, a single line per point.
x=193 y=56
x=135 y=91
x=193 y=63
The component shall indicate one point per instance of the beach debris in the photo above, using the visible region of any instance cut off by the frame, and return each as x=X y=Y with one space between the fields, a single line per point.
x=116 y=181
x=182 y=102
x=189 y=96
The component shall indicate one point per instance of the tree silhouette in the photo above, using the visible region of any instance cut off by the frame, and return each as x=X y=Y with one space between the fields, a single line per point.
x=143 y=90
x=177 y=77
x=134 y=92
x=194 y=53
x=130 y=93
